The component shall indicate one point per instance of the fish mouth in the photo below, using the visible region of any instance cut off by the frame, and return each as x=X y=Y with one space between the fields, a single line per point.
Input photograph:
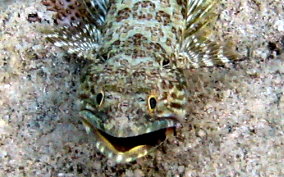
x=127 y=149
x=126 y=144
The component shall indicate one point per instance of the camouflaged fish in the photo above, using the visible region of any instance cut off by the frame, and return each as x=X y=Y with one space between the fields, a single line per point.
x=134 y=94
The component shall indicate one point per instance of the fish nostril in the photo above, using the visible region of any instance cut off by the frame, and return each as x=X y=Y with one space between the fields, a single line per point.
x=124 y=104
x=139 y=112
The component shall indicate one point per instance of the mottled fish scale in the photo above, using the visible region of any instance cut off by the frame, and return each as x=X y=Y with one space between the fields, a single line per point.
x=139 y=29
x=133 y=94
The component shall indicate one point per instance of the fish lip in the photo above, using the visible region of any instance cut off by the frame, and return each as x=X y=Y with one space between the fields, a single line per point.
x=151 y=126
x=123 y=144
x=134 y=129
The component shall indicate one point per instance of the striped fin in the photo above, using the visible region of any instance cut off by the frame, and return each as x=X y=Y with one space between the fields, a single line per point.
x=81 y=39
x=197 y=52
x=79 y=25
x=199 y=13
x=98 y=10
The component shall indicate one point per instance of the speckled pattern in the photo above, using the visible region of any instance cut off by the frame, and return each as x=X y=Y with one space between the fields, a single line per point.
x=236 y=122
x=133 y=93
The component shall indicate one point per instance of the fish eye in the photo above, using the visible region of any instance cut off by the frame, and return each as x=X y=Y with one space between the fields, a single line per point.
x=110 y=97
x=99 y=98
x=152 y=103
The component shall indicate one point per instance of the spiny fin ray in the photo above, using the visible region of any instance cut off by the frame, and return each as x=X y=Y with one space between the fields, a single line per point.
x=199 y=13
x=98 y=10
x=80 y=39
x=197 y=52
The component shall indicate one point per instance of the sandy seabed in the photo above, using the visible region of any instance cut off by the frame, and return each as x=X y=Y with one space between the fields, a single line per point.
x=236 y=121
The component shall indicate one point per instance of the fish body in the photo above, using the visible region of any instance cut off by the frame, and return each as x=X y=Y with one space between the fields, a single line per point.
x=133 y=95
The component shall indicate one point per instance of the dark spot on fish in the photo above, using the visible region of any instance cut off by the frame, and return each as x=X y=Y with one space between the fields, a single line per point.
x=273 y=47
x=176 y=105
x=84 y=96
x=34 y=18
x=165 y=62
x=174 y=95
